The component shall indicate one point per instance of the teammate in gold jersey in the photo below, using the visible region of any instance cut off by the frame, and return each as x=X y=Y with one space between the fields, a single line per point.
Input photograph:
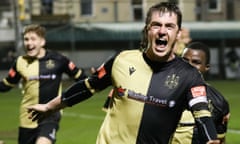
x=40 y=72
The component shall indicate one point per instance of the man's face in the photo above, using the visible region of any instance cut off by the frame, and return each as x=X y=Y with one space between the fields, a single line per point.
x=162 y=34
x=196 y=58
x=33 y=44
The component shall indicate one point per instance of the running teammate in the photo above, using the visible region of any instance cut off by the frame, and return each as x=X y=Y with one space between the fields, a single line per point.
x=40 y=72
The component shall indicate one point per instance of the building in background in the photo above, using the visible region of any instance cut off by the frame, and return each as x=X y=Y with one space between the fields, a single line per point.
x=91 y=11
x=103 y=27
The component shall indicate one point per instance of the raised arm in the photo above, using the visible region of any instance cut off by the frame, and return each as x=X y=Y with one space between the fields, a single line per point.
x=76 y=93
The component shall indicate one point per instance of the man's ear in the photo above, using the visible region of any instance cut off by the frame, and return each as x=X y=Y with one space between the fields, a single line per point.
x=207 y=67
x=43 y=42
x=179 y=34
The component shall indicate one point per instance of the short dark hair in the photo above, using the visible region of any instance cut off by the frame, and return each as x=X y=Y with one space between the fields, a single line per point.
x=200 y=46
x=165 y=7
x=161 y=7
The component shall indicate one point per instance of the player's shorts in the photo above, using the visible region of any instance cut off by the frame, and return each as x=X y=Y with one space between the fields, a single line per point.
x=47 y=128
x=29 y=136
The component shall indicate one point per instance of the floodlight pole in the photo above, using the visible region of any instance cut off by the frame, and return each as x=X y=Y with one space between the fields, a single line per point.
x=17 y=26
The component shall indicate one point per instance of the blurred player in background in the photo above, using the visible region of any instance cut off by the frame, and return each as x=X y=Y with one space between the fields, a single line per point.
x=198 y=55
x=40 y=71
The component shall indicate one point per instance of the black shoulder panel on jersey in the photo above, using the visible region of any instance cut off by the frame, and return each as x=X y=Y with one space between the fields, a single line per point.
x=220 y=104
x=76 y=93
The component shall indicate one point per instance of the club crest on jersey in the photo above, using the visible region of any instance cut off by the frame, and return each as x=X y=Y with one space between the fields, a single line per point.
x=131 y=70
x=172 y=81
x=50 y=64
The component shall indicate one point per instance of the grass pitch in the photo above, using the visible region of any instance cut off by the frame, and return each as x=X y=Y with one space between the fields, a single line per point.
x=80 y=123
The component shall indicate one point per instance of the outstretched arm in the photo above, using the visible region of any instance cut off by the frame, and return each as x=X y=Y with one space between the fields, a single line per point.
x=40 y=111
x=76 y=93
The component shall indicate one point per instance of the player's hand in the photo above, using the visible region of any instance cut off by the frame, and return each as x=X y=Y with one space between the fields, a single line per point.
x=38 y=112
x=226 y=118
x=213 y=142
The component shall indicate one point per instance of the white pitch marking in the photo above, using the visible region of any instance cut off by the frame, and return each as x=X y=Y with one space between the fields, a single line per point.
x=85 y=116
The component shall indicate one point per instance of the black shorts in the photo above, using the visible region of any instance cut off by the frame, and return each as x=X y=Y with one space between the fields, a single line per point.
x=47 y=128
x=29 y=136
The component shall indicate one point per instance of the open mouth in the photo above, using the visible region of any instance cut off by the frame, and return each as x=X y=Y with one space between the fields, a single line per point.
x=161 y=42
x=29 y=50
